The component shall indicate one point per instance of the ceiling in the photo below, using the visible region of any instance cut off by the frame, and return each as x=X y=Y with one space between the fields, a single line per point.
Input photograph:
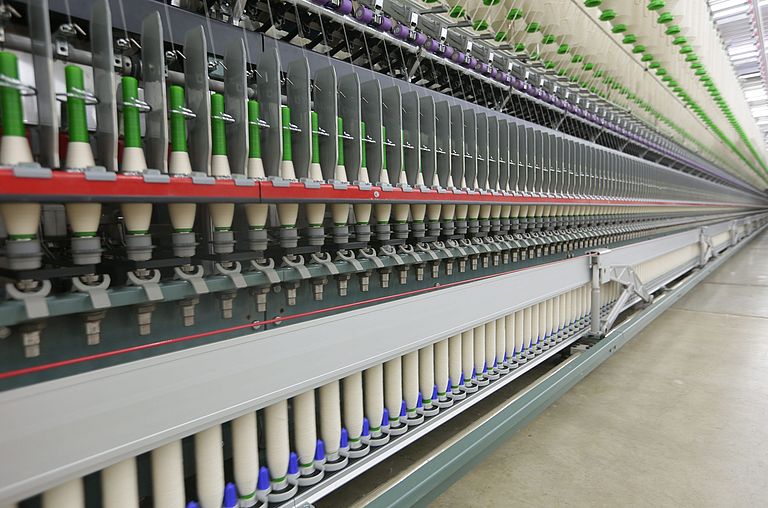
x=743 y=26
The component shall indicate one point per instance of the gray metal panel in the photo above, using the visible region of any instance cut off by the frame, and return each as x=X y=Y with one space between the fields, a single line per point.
x=372 y=116
x=268 y=92
x=42 y=61
x=443 y=143
x=198 y=99
x=349 y=111
x=427 y=139
x=515 y=160
x=493 y=153
x=457 y=145
x=326 y=106
x=504 y=155
x=298 y=89
x=482 y=151
x=153 y=74
x=393 y=123
x=235 y=105
x=470 y=148
x=411 y=136
x=104 y=84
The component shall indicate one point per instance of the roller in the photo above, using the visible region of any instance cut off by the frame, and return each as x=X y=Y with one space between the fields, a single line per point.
x=83 y=218
x=245 y=457
x=527 y=327
x=277 y=443
x=340 y=211
x=427 y=376
x=455 y=368
x=501 y=341
x=255 y=213
x=305 y=429
x=383 y=211
x=287 y=213
x=536 y=324
x=168 y=476
x=120 y=487
x=330 y=419
x=363 y=210
x=353 y=408
x=478 y=334
x=442 y=368
x=373 y=379
x=468 y=359
x=66 y=495
x=490 y=349
x=182 y=214
x=393 y=390
x=137 y=216
x=221 y=214
x=209 y=467
x=411 y=384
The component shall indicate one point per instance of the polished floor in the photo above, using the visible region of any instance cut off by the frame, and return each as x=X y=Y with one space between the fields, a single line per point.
x=677 y=418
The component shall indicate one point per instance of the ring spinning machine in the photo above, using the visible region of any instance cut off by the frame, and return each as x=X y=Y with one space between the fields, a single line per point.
x=251 y=249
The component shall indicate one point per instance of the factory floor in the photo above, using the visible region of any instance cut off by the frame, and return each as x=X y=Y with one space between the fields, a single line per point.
x=677 y=418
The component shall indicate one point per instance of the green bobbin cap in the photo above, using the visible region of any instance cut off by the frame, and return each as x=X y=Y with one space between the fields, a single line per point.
x=548 y=39
x=647 y=57
x=664 y=18
x=254 y=131
x=457 y=11
x=178 y=122
x=691 y=57
x=491 y=2
x=696 y=65
x=661 y=71
x=285 y=115
x=501 y=37
x=480 y=25
x=655 y=5
x=619 y=28
x=363 y=147
x=218 y=132
x=589 y=66
x=315 y=125
x=532 y=27
x=686 y=49
x=78 y=128
x=655 y=65
x=592 y=3
x=607 y=15
x=562 y=49
x=629 y=39
x=680 y=39
x=599 y=73
x=131 y=116
x=519 y=47
x=10 y=98
x=340 y=127
x=577 y=59
x=561 y=72
x=549 y=64
x=672 y=30
x=514 y=14
x=638 y=49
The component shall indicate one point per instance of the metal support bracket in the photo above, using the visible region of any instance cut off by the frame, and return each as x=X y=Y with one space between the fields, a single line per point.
x=35 y=302
x=195 y=278
x=708 y=250
x=148 y=284
x=96 y=292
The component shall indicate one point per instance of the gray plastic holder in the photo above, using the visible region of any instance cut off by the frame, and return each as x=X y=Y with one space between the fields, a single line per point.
x=448 y=227
x=86 y=250
x=433 y=229
x=400 y=230
x=485 y=226
x=363 y=232
x=340 y=234
x=223 y=242
x=461 y=227
x=473 y=226
x=288 y=237
x=184 y=244
x=138 y=247
x=257 y=240
x=383 y=231
x=23 y=254
x=315 y=235
x=418 y=229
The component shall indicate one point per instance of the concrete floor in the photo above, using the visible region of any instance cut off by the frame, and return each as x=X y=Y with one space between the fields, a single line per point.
x=678 y=417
